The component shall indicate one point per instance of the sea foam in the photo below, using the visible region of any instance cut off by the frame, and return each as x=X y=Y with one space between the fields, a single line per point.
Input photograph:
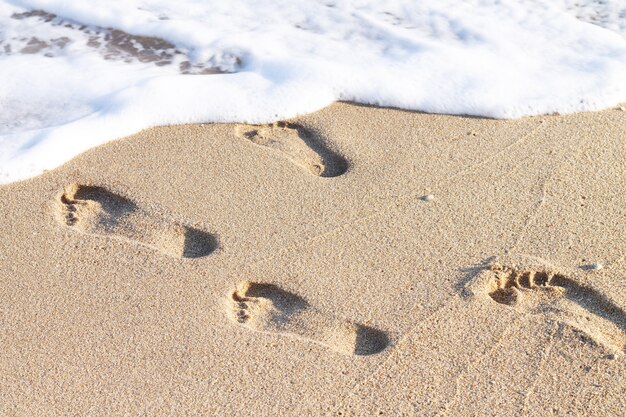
x=76 y=74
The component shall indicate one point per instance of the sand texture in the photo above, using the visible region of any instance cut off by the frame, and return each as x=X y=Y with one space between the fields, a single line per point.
x=356 y=261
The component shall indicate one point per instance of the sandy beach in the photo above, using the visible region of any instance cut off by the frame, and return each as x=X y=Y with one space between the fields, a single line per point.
x=354 y=261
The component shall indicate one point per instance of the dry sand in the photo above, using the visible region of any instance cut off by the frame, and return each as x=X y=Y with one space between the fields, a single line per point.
x=299 y=269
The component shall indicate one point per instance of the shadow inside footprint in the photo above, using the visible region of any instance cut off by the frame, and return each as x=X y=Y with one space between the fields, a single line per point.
x=198 y=243
x=283 y=300
x=370 y=340
x=301 y=146
x=268 y=308
x=113 y=206
x=591 y=300
x=97 y=211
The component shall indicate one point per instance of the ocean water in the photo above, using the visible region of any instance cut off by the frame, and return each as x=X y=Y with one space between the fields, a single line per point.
x=78 y=73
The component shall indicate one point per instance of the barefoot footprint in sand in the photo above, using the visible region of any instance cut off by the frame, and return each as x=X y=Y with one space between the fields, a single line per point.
x=96 y=211
x=268 y=308
x=541 y=291
x=298 y=145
